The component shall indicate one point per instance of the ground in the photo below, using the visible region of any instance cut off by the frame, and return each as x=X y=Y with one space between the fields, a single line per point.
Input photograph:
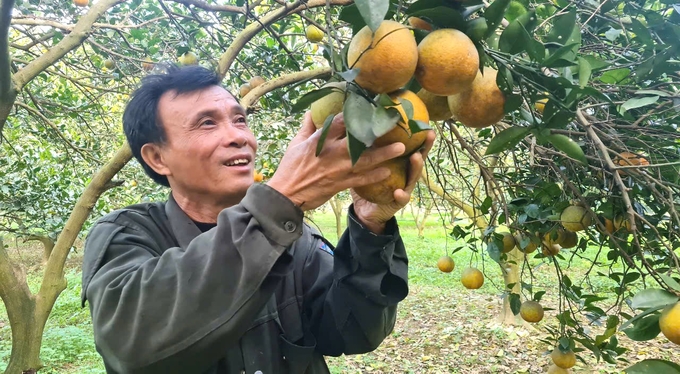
x=442 y=327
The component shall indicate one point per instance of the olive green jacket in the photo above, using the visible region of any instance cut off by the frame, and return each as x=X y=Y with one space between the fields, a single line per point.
x=261 y=292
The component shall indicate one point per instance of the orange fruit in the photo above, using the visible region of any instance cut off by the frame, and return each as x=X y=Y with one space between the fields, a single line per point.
x=472 y=278
x=550 y=250
x=402 y=132
x=565 y=360
x=313 y=34
x=669 y=322
x=446 y=264
x=256 y=81
x=554 y=369
x=531 y=311
x=437 y=106
x=81 y=2
x=383 y=192
x=482 y=105
x=448 y=62
x=386 y=60
x=508 y=242
x=258 y=177
x=530 y=248
x=575 y=218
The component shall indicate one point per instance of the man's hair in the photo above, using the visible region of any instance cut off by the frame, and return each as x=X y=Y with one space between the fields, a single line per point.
x=141 y=122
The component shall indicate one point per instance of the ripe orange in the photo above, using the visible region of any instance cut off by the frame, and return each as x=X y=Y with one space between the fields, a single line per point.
x=437 y=106
x=508 y=242
x=622 y=221
x=482 y=105
x=530 y=248
x=446 y=264
x=629 y=159
x=386 y=60
x=402 y=132
x=256 y=81
x=565 y=360
x=258 y=177
x=550 y=250
x=669 y=322
x=448 y=62
x=531 y=311
x=472 y=278
x=81 y=2
x=244 y=89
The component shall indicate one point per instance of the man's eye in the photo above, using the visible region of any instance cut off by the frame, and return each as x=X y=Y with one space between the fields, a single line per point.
x=207 y=123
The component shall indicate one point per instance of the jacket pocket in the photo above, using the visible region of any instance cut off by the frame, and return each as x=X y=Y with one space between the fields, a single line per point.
x=296 y=357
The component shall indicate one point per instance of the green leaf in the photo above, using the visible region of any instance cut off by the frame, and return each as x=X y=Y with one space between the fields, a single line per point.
x=584 y=72
x=425 y=4
x=324 y=133
x=638 y=102
x=653 y=366
x=642 y=33
x=512 y=103
x=358 y=113
x=559 y=55
x=562 y=28
x=568 y=146
x=443 y=17
x=644 y=329
x=355 y=146
x=476 y=29
x=515 y=303
x=615 y=76
x=351 y=15
x=310 y=97
x=670 y=282
x=515 y=37
x=384 y=120
x=652 y=92
x=418 y=126
x=373 y=11
x=494 y=251
x=506 y=139
x=494 y=15
x=407 y=106
x=652 y=298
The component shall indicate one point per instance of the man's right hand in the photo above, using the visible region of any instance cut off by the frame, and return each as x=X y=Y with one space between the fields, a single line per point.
x=309 y=181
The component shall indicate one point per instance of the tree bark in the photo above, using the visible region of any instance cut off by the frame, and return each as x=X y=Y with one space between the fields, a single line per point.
x=510 y=269
x=20 y=305
x=336 y=205
x=8 y=91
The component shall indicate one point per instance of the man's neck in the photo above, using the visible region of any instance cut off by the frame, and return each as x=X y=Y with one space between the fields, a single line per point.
x=201 y=209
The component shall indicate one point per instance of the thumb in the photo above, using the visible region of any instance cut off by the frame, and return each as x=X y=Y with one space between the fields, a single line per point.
x=307 y=130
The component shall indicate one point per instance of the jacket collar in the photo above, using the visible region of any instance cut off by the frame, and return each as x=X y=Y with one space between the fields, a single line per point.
x=182 y=226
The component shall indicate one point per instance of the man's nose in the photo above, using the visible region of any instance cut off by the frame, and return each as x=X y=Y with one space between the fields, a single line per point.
x=232 y=136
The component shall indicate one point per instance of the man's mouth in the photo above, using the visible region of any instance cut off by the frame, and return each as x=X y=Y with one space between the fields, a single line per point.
x=238 y=162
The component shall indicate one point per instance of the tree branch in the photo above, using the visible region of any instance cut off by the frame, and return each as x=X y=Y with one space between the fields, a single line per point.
x=228 y=57
x=284 y=80
x=75 y=38
x=8 y=90
x=213 y=8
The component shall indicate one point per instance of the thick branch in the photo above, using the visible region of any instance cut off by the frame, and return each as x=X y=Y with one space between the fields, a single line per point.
x=53 y=282
x=75 y=38
x=8 y=91
x=284 y=80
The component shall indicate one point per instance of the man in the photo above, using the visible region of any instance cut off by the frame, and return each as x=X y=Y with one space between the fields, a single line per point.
x=224 y=277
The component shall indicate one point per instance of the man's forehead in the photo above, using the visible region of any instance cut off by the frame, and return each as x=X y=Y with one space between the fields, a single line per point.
x=213 y=93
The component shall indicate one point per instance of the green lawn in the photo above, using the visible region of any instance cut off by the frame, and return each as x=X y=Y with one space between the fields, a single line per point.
x=442 y=327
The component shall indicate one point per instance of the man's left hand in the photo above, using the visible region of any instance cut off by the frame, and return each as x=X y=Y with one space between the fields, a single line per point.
x=374 y=216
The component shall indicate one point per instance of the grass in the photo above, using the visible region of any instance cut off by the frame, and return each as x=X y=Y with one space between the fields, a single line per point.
x=442 y=327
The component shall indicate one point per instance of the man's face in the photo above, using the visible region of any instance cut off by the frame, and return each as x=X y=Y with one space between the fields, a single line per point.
x=210 y=150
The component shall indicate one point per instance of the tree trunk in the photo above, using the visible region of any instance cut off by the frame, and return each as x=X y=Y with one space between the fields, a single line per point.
x=421 y=224
x=510 y=271
x=20 y=305
x=336 y=205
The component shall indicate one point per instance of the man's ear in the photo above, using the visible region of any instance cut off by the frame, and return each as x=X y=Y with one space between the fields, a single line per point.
x=152 y=155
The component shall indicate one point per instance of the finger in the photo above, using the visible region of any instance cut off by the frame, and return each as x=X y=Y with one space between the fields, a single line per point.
x=415 y=171
x=372 y=157
x=374 y=176
x=337 y=129
x=427 y=145
x=306 y=130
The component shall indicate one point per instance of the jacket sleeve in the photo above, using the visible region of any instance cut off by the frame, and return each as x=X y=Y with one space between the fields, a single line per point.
x=351 y=297
x=182 y=309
